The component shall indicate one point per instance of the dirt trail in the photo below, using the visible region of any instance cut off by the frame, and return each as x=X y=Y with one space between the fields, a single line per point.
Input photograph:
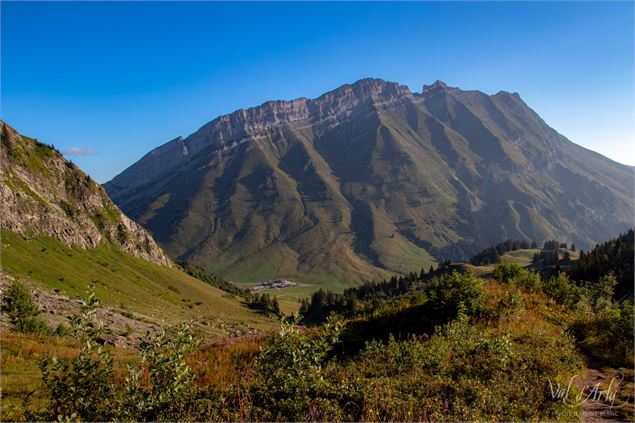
x=597 y=406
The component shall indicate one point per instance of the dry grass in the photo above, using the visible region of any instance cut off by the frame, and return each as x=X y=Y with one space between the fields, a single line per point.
x=20 y=374
x=225 y=363
x=218 y=363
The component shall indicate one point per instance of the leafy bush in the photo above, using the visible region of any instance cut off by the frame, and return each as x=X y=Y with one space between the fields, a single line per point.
x=80 y=389
x=448 y=293
x=512 y=273
x=290 y=382
x=83 y=388
x=506 y=272
x=565 y=292
x=528 y=280
x=163 y=382
x=21 y=310
x=502 y=305
x=607 y=333
x=462 y=373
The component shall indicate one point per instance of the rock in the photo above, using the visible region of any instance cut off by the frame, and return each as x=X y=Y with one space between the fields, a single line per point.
x=45 y=194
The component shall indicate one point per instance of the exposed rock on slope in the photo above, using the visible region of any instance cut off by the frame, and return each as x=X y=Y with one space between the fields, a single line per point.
x=44 y=194
x=367 y=179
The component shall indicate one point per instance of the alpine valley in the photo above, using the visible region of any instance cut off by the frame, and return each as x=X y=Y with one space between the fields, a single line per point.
x=369 y=180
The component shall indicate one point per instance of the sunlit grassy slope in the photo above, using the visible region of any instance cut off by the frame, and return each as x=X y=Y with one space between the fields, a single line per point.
x=520 y=257
x=119 y=280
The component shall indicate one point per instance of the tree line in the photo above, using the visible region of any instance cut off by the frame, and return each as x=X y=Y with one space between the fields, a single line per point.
x=614 y=256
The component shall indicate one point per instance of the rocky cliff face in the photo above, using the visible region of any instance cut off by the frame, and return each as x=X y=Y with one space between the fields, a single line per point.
x=370 y=178
x=44 y=194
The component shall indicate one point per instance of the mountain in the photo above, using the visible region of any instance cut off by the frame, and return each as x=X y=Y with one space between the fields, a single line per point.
x=42 y=193
x=370 y=179
x=63 y=237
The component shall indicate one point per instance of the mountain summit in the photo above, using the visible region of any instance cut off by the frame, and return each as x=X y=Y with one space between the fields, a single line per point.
x=370 y=179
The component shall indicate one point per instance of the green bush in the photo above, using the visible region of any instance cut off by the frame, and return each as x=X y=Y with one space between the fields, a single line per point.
x=290 y=382
x=80 y=389
x=448 y=293
x=83 y=388
x=462 y=373
x=21 y=310
x=528 y=280
x=512 y=273
x=505 y=272
x=163 y=382
x=565 y=291
x=607 y=333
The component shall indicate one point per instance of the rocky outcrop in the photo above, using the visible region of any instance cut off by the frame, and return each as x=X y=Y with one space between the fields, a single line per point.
x=44 y=194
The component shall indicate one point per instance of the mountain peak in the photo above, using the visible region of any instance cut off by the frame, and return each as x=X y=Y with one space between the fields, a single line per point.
x=368 y=89
x=438 y=85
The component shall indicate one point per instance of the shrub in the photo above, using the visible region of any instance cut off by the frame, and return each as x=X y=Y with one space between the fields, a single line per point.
x=565 y=292
x=528 y=280
x=608 y=333
x=163 y=382
x=80 y=389
x=461 y=373
x=506 y=272
x=503 y=305
x=448 y=293
x=159 y=388
x=21 y=310
x=290 y=382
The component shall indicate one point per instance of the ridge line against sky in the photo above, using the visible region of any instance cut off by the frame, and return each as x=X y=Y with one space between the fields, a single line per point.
x=112 y=81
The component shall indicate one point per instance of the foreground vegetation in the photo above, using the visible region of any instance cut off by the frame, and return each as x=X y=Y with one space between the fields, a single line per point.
x=456 y=348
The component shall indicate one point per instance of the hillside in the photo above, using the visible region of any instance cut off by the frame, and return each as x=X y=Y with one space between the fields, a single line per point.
x=62 y=234
x=42 y=193
x=368 y=180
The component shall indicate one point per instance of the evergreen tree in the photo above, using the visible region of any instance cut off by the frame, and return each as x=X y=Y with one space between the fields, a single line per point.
x=21 y=309
x=422 y=274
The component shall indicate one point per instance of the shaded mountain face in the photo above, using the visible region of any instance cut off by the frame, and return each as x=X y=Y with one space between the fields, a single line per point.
x=370 y=179
x=44 y=194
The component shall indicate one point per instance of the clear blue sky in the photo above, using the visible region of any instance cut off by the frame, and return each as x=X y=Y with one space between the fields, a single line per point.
x=114 y=80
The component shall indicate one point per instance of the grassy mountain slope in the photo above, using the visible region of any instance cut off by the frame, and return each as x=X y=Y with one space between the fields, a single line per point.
x=156 y=293
x=368 y=180
x=60 y=231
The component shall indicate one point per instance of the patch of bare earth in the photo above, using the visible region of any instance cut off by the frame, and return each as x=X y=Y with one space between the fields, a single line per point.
x=126 y=328
x=599 y=396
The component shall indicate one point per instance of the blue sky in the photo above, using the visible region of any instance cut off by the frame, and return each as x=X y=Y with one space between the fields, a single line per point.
x=107 y=82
